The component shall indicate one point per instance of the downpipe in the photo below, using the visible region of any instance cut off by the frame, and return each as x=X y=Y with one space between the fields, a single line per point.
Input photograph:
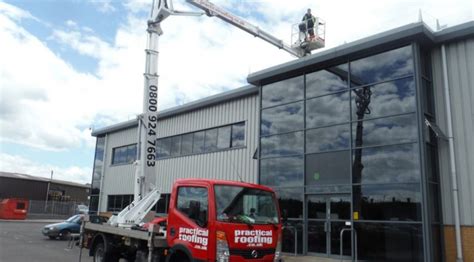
x=452 y=158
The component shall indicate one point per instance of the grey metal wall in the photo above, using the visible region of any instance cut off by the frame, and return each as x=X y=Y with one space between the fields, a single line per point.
x=228 y=164
x=116 y=179
x=460 y=63
x=217 y=165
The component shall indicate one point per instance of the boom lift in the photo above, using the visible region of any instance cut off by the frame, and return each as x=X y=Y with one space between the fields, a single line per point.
x=146 y=153
x=302 y=45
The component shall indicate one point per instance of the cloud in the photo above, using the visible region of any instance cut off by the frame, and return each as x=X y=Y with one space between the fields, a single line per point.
x=104 y=6
x=19 y=164
x=47 y=103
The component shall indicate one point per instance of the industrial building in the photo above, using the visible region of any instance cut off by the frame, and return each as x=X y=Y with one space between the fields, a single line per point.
x=14 y=185
x=355 y=137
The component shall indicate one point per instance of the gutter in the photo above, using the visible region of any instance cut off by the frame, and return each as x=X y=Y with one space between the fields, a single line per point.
x=452 y=159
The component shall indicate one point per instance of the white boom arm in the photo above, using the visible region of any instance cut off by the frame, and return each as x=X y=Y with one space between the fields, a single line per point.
x=146 y=193
x=213 y=10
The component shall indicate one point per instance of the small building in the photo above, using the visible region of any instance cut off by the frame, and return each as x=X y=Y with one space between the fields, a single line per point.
x=14 y=185
x=353 y=137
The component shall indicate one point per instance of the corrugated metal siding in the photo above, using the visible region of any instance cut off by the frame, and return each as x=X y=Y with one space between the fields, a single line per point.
x=217 y=165
x=117 y=179
x=460 y=62
x=226 y=164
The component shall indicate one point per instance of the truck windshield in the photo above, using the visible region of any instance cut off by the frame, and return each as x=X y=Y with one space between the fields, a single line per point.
x=235 y=204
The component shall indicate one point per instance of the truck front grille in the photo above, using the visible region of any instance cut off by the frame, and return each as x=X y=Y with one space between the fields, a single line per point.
x=250 y=254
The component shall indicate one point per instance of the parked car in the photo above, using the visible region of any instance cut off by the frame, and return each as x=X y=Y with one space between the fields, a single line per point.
x=82 y=209
x=64 y=229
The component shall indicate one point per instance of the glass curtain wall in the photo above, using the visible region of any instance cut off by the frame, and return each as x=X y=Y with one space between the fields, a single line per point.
x=97 y=175
x=349 y=129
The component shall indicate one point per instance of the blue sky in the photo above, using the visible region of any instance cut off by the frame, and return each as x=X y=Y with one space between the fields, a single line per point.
x=68 y=66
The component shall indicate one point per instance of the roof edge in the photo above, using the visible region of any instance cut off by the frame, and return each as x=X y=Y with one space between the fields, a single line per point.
x=230 y=95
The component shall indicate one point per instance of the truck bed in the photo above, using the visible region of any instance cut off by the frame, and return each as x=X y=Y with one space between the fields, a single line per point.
x=159 y=241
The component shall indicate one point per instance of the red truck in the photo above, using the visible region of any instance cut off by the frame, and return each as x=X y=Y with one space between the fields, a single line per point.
x=208 y=220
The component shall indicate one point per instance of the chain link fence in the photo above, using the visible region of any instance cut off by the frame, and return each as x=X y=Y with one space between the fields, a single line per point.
x=40 y=209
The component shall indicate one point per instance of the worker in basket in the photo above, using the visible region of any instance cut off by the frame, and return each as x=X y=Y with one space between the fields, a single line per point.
x=307 y=24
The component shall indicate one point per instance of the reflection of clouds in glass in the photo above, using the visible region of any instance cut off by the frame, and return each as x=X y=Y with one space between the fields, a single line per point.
x=286 y=171
x=390 y=164
x=328 y=168
x=326 y=81
x=283 y=91
x=326 y=110
x=282 y=119
x=389 y=98
x=388 y=65
x=328 y=138
x=399 y=129
x=281 y=145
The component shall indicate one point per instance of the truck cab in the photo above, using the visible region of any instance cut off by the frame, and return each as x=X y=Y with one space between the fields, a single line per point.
x=216 y=220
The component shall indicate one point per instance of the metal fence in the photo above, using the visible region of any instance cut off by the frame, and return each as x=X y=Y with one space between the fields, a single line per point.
x=52 y=209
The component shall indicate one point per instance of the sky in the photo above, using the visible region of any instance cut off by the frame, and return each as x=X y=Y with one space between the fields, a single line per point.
x=71 y=66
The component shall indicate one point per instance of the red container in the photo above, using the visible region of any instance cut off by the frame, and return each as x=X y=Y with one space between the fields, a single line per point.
x=13 y=208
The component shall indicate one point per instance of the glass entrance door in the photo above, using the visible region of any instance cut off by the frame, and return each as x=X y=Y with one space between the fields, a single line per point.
x=327 y=215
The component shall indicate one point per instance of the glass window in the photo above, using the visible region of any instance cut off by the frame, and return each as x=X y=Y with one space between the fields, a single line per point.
x=238 y=134
x=290 y=201
x=186 y=144
x=384 y=66
x=428 y=97
x=162 y=204
x=389 y=242
x=211 y=140
x=326 y=81
x=124 y=154
x=328 y=168
x=327 y=110
x=94 y=204
x=286 y=171
x=387 y=164
x=235 y=204
x=389 y=98
x=175 y=147
x=193 y=202
x=164 y=147
x=223 y=137
x=327 y=138
x=292 y=229
x=390 y=130
x=434 y=200
x=432 y=163
x=282 y=145
x=317 y=207
x=282 y=119
x=393 y=202
x=198 y=142
x=119 y=155
x=281 y=92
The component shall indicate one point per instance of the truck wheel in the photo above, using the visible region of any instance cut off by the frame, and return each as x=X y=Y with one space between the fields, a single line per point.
x=100 y=255
x=179 y=257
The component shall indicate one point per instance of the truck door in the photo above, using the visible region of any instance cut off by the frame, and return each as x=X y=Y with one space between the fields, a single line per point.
x=188 y=221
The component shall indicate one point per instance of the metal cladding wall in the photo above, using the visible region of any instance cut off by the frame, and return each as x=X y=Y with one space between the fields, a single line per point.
x=22 y=188
x=117 y=179
x=460 y=64
x=227 y=164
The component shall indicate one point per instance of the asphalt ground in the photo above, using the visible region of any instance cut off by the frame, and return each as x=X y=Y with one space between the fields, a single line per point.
x=24 y=242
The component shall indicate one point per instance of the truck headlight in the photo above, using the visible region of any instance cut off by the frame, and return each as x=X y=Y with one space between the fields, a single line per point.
x=277 y=257
x=222 y=248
